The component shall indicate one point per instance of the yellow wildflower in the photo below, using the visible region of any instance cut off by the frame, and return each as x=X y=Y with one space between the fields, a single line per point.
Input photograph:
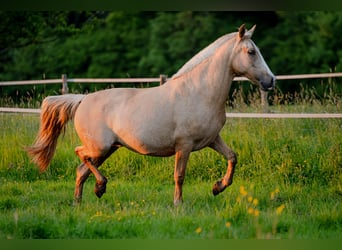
x=272 y=195
x=255 y=202
x=256 y=212
x=243 y=192
x=250 y=198
x=280 y=209
x=198 y=230
x=250 y=210
x=228 y=224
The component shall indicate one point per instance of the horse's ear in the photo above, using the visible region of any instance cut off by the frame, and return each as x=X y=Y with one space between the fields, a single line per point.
x=250 y=32
x=242 y=31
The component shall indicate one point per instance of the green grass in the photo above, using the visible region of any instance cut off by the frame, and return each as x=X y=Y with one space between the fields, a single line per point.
x=287 y=184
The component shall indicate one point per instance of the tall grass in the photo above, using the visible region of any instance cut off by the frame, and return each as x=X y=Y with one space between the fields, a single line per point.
x=287 y=184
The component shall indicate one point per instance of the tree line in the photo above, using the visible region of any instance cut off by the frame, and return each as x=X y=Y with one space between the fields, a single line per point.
x=101 y=44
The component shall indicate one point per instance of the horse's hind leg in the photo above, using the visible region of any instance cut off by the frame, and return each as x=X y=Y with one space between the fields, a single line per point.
x=82 y=174
x=220 y=146
x=93 y=163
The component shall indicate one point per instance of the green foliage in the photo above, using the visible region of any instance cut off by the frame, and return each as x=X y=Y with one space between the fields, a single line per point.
x=304 y=42
x=176 y=37
x=37 y=45
x=326 y=48
x=146 y=44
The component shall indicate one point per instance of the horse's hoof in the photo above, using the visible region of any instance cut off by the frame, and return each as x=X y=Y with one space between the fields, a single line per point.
x=77 y=201
x=218 y=188
x=177 y=202
x=100 y=188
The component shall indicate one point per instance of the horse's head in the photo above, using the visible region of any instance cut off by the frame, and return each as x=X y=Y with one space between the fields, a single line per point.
x=247 y=60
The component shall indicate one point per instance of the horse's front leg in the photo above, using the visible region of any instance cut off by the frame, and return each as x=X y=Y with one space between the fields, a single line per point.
x=181 y=161
x=220 y=146
x=82 y=175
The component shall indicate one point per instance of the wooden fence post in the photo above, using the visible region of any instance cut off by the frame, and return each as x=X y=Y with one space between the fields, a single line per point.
x=162 y=79
x=264 y=101
x=65 y=89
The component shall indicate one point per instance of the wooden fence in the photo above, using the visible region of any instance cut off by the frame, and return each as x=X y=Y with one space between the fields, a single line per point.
x=65 y=89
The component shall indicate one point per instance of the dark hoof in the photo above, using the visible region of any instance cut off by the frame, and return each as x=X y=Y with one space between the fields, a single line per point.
x=218 y=188
x=100 y=188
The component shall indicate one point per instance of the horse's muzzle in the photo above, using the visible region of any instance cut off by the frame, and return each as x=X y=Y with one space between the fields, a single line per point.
x=268 y=85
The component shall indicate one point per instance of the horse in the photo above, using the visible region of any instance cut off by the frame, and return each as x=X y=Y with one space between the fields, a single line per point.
x=183 y=115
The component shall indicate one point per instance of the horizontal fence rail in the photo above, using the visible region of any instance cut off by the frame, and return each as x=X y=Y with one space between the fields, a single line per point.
x=19 y=110
x=284 y=115
x=162 y=79
x=81 y=80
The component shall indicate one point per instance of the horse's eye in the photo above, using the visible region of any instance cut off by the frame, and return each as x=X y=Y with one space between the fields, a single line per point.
x=251 y=52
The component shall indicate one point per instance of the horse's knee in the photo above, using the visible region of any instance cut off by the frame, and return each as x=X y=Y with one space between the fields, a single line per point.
x=232 y=157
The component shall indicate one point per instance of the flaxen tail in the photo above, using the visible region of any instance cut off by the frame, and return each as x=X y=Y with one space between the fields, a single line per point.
x=56 y=111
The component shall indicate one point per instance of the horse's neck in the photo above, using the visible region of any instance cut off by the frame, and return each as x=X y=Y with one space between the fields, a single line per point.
x=215 y=75
x=210 y=80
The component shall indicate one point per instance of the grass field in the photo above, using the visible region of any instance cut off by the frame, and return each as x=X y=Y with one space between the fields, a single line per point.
x=288 y=184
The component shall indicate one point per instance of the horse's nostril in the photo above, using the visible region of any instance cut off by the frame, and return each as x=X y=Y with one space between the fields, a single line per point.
x=267 y=85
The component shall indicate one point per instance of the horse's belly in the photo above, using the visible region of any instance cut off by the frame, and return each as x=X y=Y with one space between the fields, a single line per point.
x=148 y=132
x=147 y=141
x=159 y=152
x=149 y=148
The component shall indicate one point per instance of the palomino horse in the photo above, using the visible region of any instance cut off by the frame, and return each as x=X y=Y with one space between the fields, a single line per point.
x=183 y=115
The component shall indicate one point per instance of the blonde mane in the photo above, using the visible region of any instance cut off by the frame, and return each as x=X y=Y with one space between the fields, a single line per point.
x=203 y=55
